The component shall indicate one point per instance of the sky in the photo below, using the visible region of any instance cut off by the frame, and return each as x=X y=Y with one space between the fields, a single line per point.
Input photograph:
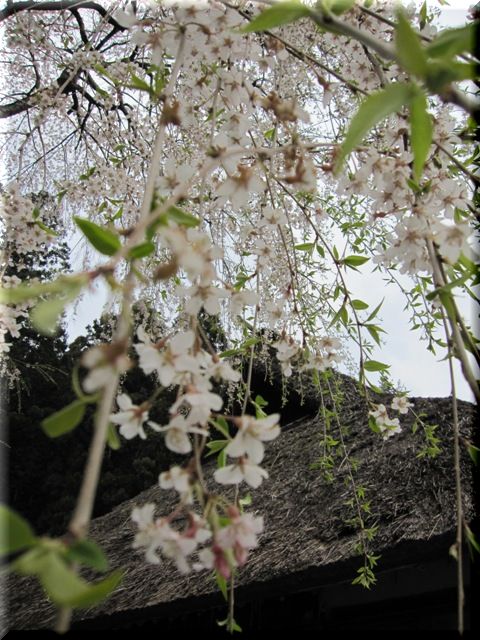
x=418 y=370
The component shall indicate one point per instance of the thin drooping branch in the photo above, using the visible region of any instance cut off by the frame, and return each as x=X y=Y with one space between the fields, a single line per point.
x=80 y=521
x=458 y=486
x=460 y=350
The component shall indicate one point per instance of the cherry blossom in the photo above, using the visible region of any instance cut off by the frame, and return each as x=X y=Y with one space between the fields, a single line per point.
x=241 y=299
x=242 y=470
x=171 y=360
x=401 y=404
x=250 y=435
x=176 y=478
x=238 y=188
x=388 y=427
x=130 y=418
x=201 y=404
x=159 y=535
x=221 y=370
x=287 y=350
x=200 y=295
x=240 y=535
x=451 y=240
x=104 y=361
x=176 y=432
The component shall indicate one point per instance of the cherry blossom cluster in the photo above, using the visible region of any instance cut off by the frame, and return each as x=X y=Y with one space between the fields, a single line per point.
x=229 y=545
x=178 y=360
x=322 y=357
x=390 y=426
x=24 y=232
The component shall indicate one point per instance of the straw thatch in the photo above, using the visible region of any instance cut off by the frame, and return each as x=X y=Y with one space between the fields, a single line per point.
x=307 y=540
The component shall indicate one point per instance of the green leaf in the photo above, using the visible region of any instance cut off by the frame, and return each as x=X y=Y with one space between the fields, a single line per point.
x=64 y=420
x=138 y=83
x=104 y=240
x=354 y=261
x=15 y=532
x=221 y=425
x=421 y=133
x=447 y=288
x=423 y=15
x=261 y=402
x=87 y=553
x=67 y=589
x=32 y=562
x=88 y=173
x=222 y=584
x=270 y=134
x=234 y=626
x=451 y=42
x=31 y=291
x=473 y=543
x=230 y=352
x=113 y=439
x=277 y=15
x=359 y=305
x=46 y=314
x=442 y=72
x=246 y=501
x=473 y=452
x=250 y=342
x=179 y=216
x=373 y=365
x=375 y=108
x=48 y=231
x=216 y=445
x=339 y=6
x=375 y=311
x=338 y=316
x=141 y=250
x=222 y=459
x=410 y=53
x=306 y=246
x=372 y=423
x=373 y=330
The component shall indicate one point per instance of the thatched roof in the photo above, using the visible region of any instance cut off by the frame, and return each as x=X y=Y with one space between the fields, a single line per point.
x=306 y=538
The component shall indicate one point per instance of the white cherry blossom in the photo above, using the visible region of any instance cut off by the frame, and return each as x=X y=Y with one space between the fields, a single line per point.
x=130 y=418
x=176 y=433
x=104 y=361
x=239 y=187
x=176 y=478
x=241 y=535
x=242 y=470
x=241 y=299
x=202 y=295
x=171 y=361
x=201 y=404
x=250 y=435
x=401 y=404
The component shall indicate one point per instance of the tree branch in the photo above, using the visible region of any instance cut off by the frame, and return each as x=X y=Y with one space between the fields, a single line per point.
x=63 y=5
